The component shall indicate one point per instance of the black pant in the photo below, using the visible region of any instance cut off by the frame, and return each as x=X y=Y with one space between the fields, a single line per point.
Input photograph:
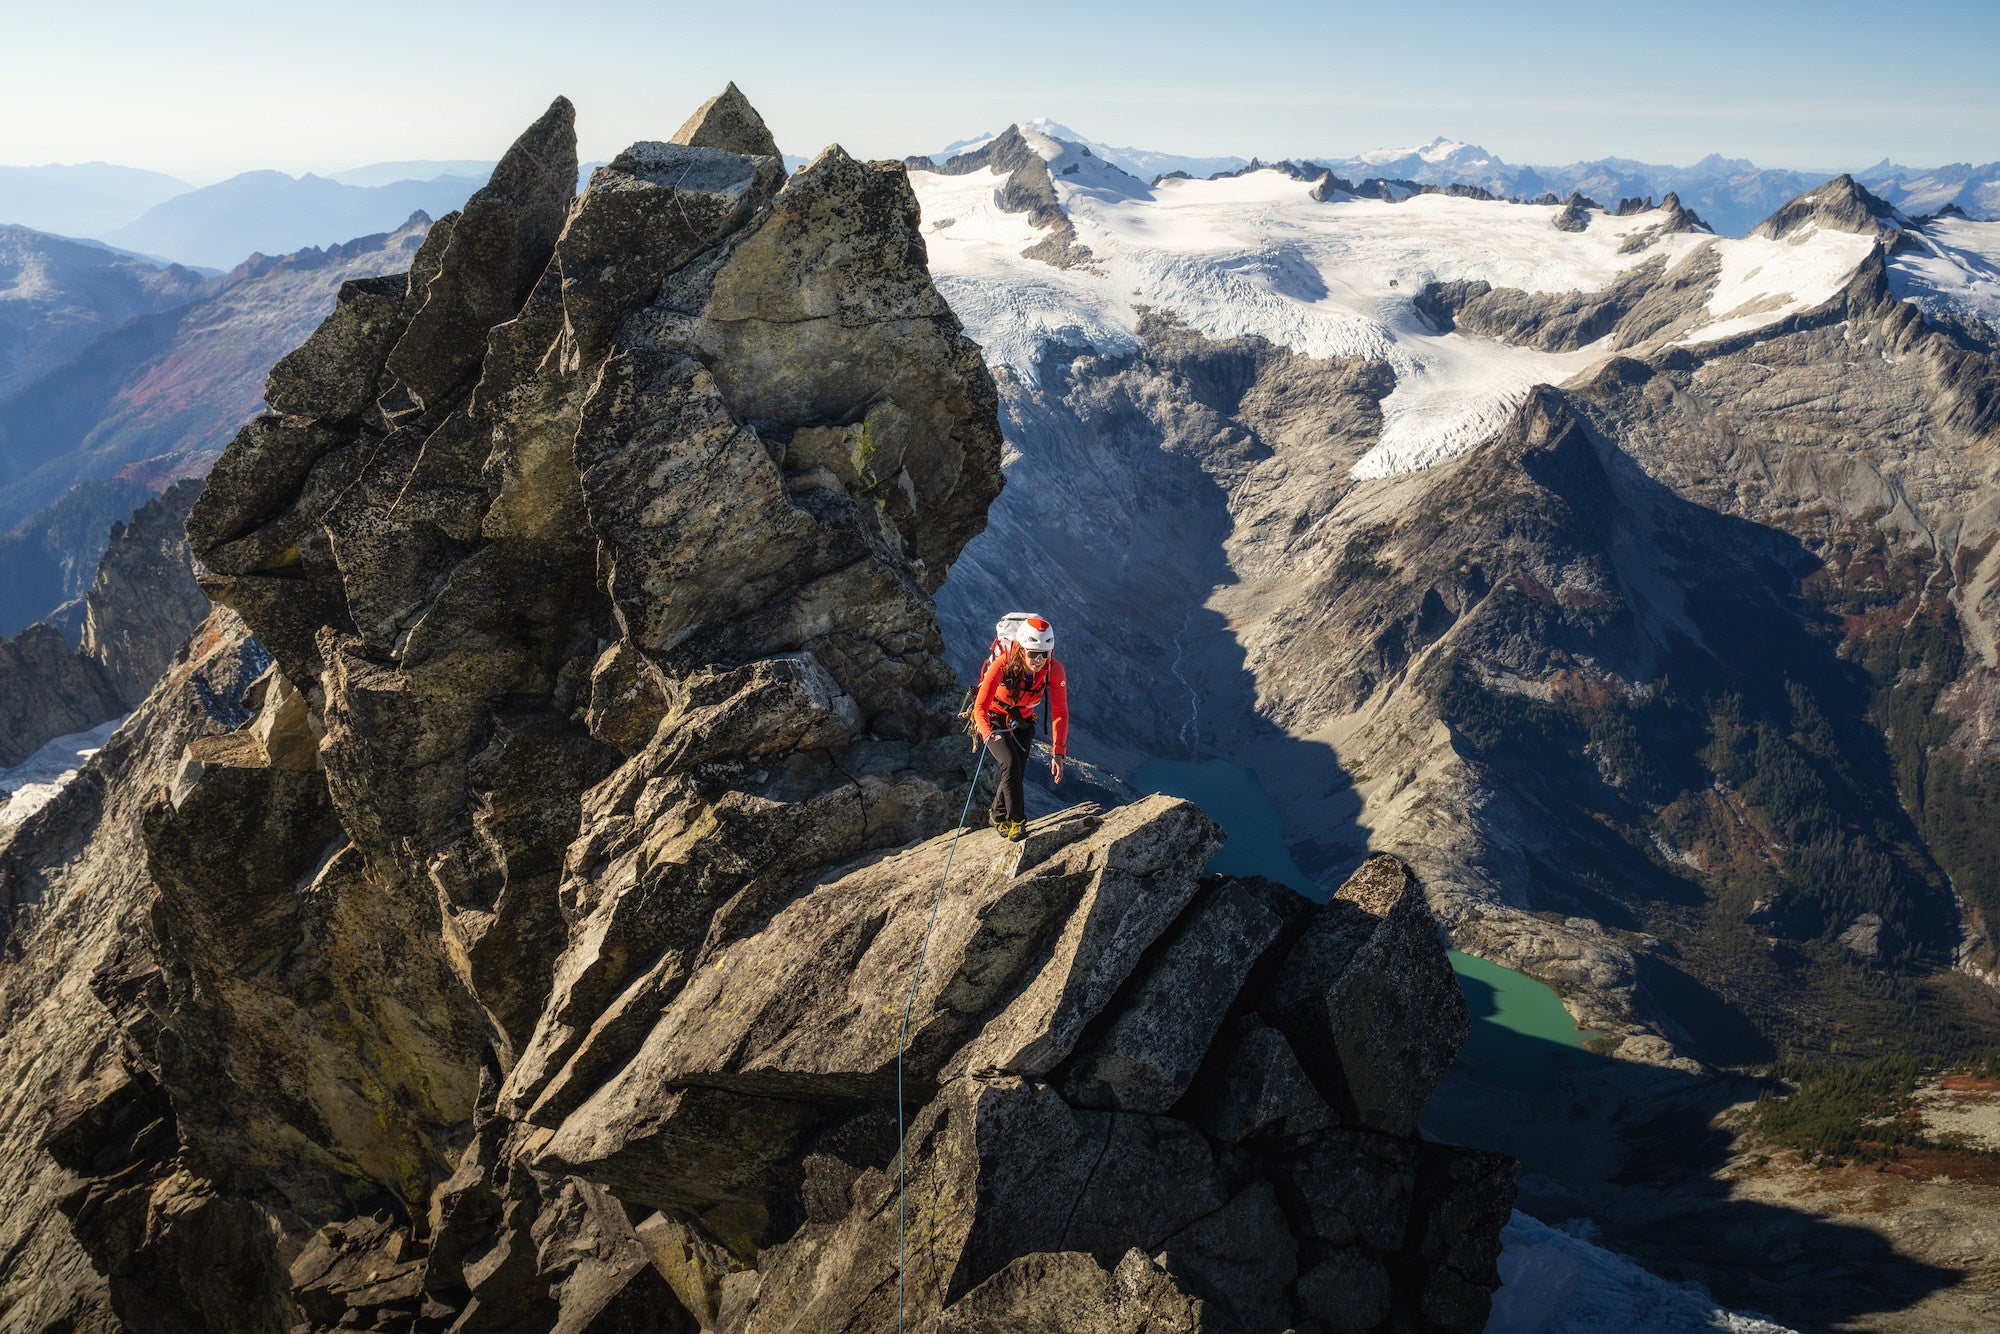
x=1011 y=746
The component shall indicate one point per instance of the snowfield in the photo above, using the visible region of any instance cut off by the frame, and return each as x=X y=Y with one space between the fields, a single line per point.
x=35 y=781
x=1556 y=1282
x=1764 y=281
x=1954 y=268
x=1257 y=255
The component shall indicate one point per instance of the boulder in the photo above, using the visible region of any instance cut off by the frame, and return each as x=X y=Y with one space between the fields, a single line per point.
x=1144 y=1053
x=1352 y=1187
x=1369 y=1002
x=1463 y=1197
x=998 y=1169
x=1349 y=1292
x=1240 y=1259
x=1071 y=1293
x=1253 y=1087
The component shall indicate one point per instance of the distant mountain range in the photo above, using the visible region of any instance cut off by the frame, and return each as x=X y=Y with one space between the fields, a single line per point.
x=270 y=213
x=179 y=381
x=216 y=227
x=427 y=169
x=117 y=378
x=1731 y=194
x=56 y=295
x=87 y=199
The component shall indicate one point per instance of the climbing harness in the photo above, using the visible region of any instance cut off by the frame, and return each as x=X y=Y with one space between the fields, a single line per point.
x=1033 y=632
x=903 y=1037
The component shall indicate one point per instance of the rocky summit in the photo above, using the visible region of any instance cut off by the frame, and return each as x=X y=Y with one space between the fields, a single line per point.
x=506 y=914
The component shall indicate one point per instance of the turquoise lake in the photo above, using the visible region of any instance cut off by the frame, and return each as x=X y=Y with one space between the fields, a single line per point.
x=1522 y=1037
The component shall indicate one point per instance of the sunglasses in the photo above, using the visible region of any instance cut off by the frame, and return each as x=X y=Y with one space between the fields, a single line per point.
x=1033 y=655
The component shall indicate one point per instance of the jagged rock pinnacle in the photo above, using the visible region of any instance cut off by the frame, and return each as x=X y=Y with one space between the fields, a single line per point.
x=492 y=257
x=533 y=957
x=1842 y=204
x=728 y=121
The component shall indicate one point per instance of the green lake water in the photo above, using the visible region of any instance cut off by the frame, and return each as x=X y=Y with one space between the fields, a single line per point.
x=1522 y=1037
x=1233 y=799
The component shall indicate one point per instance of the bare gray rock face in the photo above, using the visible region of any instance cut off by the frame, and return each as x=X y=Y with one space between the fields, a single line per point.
x=1842 y=204
x=141 y=607
x=727 y=121
x=75 y=891
x=143 y=602
x=48 y=691
x=1868 y=939
x=1575 y=215
x=536 y=954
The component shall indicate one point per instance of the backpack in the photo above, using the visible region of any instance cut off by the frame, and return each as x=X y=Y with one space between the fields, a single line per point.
x=1004 y=632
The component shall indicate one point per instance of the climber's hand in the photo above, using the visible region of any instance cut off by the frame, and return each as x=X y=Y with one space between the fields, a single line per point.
x=1055 y=769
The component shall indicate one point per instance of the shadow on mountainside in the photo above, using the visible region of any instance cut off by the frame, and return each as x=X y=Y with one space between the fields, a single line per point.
x=1634 y=1150
x=1320 y=825
x=1114 y=529
x=1750 y=750
x=1675 y=715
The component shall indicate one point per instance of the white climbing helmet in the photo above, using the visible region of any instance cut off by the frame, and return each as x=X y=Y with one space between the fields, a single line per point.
x=1009 y=628
x=1036 y=636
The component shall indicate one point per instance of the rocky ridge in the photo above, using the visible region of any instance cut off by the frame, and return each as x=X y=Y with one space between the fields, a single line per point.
x=141 y=607
x=50 y=559
x=533 y=957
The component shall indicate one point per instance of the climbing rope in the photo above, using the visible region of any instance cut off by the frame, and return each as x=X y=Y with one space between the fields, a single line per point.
x=903 y=1037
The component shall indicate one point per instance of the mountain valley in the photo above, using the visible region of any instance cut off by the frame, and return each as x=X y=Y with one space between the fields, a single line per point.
x=1675 y=682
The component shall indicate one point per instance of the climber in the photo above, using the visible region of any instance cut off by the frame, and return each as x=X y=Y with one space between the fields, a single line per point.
x=1004 y=712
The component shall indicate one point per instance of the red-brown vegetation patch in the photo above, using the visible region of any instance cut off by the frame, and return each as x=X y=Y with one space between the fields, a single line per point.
x=163 y=470
x=1923 y=1163
x=1868 y=624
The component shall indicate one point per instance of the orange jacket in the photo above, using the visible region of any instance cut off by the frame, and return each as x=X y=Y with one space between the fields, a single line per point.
x=996 y=697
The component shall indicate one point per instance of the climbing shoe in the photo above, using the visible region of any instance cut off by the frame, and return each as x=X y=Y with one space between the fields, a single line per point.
x=1012 y=830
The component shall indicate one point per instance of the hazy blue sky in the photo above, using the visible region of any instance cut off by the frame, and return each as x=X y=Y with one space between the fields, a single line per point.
x=209 y=87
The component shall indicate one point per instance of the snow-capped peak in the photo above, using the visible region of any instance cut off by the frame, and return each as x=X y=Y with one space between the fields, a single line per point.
x=1053 y=130
x=1440 y=148
x=1046 y=145
x=957 y=146
x=1260 y=253
x=1142 y=163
